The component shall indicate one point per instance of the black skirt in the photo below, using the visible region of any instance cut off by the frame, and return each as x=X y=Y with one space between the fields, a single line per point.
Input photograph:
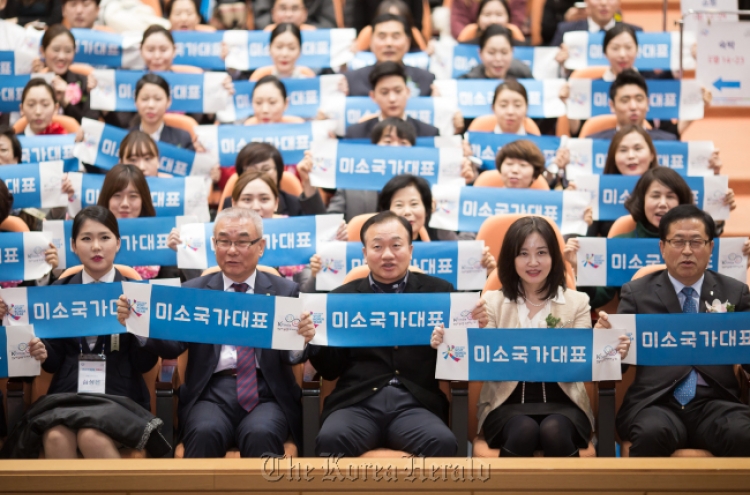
x=122 y=419
x=534 y=406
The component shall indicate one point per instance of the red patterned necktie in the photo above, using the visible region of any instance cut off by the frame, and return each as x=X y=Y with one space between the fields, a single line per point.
x=247 y=380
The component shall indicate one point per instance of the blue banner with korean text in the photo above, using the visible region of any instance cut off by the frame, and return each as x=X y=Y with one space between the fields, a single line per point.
x=35 y=185
x=224 y=142
x=101 y=147
x=289 y=241
x=608 y=194
x=667 y=99
x=213 y=317
x=457 y=262
x=486 y=145
x=49 y=148
x=466 y=208
x=614 y=262
x=7 y=63
x=655 y=51
x=198 y=93
x=361 y=166
x=529 y=354
x=143 y=240
x=199 y=49
x=171 y=197
x=540 y=59
x=11 y=92
x=366 y=58
x=103 y=49
x=377 y=320
x=22 y=255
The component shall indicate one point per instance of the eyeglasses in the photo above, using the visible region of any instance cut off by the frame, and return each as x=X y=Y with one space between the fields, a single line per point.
x=243 y=245
x=695 y=244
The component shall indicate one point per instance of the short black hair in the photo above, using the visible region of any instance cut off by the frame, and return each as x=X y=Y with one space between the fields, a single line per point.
x=617 y=31
x=15 y=144
x=401 y=182
x=383 y=217
x=152 y=78
x=98 y=214
x=686 y=212
x=284 y=27
x=270 y=79
x=513 y=241
x=511 y=84
x=254 y=153
x=170 y=5
x=492 y=31
x=383 y=18
x=635 y=203
x=38 y=81
x=53 y=32
x=6 y=201
x=404 y=130
x=156 y=29
x=386 y=69
x=625 y=78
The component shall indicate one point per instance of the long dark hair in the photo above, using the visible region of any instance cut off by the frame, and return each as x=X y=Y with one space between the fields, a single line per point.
x=513 y=242
x=610 y=166
x=402 y=182
x=635 y=203
x=118 y=179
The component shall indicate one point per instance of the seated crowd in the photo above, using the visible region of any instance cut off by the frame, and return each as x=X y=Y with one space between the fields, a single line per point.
x=248 y=399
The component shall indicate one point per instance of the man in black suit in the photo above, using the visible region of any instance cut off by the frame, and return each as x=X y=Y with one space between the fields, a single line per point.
x=386 y=397
x=391 y=93
x=628 y=100
x=391 y=38
x=677 y=407
x=214 y=412
x=600 y=16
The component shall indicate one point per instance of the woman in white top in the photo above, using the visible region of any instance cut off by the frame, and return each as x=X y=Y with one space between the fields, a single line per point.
x=520 y=418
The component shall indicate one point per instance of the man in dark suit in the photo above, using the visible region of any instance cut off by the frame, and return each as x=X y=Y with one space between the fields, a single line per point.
x=628 y=100
x=391 y=38
x=676 y=407
x=391 y=93
x=386 y=397
x=237 y=395
x=600 y=16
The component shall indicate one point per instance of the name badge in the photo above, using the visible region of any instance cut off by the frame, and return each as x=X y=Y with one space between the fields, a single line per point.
x=92 y=373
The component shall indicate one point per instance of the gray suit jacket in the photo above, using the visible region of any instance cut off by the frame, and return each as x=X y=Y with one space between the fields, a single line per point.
x=353 y=202
x=320 y=13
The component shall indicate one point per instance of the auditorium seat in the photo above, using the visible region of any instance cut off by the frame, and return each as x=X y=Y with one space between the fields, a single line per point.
x=13 y=224
x=492 y=178
x=469 y=33
x=602 y=123
x=593 y=72
x=70 y=124
x=354 y=227
x=81 y=69
x=480 y=448
x=289 y=183
x=364 y=37
x=493 y=231
x=535 y=11
x=285 y=119
x=487 y=123
x=623 y=225
x=181 y=121
x=126 y=271
x=338 y=10
x=154 y=4
x=268 y=70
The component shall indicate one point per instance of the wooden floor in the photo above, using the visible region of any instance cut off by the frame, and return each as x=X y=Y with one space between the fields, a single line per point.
x=375 y=476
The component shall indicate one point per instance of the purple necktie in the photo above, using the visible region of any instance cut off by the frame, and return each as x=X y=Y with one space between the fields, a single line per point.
x=247 y=380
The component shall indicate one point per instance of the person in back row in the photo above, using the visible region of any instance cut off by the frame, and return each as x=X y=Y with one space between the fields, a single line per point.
x=391 y=92
x=600 y=16
x=391 y=38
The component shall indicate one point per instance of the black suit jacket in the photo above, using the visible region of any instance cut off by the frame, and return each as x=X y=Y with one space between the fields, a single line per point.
x=125 y=367
x=171 y=135
x=566 y=27
x=656 y=135
x=362 y=371
x=359 y=80
x=203 y=358
x=655 y=294
x=364 y=129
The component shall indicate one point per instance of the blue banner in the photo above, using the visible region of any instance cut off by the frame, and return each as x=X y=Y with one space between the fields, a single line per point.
x=7 y=63
x=437 y=112
x=22 y=255
x=613 y=262
x=213 y=317
x=143 y=241
x=197 y=93
x=171 y=197
x=199 y=49
x=101 y=147
x=35 y=185
x=289 y=241
x=466 y=208
x=361 y=166
x=413 y=59
x=11 y=93
x=486 y=145
x=103 y=49
x=655 y=50
x=49 y=148
x=377 y=320
x=224 y=142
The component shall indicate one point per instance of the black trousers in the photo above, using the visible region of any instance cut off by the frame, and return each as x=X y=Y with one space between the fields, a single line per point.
x=393 y=419
x=217 y=422
x=707 y=422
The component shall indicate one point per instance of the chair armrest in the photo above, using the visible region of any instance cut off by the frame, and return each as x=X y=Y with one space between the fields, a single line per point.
x=310 y=416
x=606 y=419
x=165 y=401
x=459 y=416
x=16 y=405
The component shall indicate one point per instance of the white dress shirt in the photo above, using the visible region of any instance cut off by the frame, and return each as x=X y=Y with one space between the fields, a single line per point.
x=107 y=278
x=228 y=354
x=156 y=136
x=595 y=28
